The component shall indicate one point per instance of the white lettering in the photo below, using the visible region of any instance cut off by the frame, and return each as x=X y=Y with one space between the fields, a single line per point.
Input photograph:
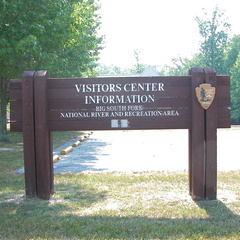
x=112 y=87
x=88 y=88
x=74 y=115
x=160 y=87
x=106 y=99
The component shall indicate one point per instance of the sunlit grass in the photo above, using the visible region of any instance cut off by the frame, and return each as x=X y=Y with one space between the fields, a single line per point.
x=146 y=205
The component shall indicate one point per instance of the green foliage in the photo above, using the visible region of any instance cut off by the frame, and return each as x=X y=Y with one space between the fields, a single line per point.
x=109 y=70
x=235 y=91
x=115 y=70
x=231 y=55
x=59 y=36
x=180 y=66
x=232 y=67
x=214 y=31
x=138 y=67
x=215 y=50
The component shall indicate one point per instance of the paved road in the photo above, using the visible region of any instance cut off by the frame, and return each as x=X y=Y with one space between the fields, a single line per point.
x=151 y=150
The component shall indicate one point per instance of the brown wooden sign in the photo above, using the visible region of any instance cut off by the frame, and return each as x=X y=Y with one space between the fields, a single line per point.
x=118 y=103
x=40 y=104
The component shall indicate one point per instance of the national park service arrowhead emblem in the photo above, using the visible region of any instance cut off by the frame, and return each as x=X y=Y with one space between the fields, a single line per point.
x=205 y=94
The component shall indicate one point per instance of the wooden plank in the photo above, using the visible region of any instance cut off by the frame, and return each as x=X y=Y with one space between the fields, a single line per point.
x=223 y=117
x=223 y=91
x=223 y=102
x=16 y=127
x=196 y=141
x=223 y=112
x=224 y=123
x=15 y=86
x=70 y=93
x=223 y=80
x=82 y=87
x=16 y=105
x=176 y=118
x=15 y=83
x=105 y=124
x=95 y=97
x=66 y=82
x=222 y=95
x=55 y=104
x=16 y=116
x=211 y=141
x=84 y=114
x=28 y=133
x=15 y=94
x=44 y=163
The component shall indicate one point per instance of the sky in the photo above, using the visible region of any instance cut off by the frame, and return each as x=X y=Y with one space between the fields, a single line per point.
x=159 y=29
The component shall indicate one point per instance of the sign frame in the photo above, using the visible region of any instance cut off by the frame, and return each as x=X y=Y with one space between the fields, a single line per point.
x=39 y=104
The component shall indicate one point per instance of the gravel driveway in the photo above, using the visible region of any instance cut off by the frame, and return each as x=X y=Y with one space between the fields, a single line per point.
x=149 y=150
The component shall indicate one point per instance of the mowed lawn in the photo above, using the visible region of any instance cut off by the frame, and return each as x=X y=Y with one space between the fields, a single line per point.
x=114 y=205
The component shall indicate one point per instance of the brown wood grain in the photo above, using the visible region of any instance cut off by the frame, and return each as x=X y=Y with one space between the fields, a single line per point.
x=211 y=141
x=29 y=133
x=196 y=141
x=44 y=153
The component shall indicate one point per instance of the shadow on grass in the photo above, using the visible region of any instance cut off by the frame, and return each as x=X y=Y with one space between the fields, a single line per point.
x=217 y=209
x=59 y=219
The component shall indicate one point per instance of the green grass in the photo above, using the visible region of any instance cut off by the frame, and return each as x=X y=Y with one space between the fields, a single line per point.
x=114 y=205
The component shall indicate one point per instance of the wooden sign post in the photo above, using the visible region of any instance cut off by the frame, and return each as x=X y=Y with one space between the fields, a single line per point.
x=199 y=102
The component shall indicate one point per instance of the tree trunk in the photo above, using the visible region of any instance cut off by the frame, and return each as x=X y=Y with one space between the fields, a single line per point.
x=3 y=109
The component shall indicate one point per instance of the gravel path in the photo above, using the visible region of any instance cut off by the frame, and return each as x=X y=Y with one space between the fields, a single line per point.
x=150 y=150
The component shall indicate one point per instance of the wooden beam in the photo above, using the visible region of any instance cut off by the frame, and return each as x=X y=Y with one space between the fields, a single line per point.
x=196 y=141
x=211 y=141
x=44 y=154
x=29 y=133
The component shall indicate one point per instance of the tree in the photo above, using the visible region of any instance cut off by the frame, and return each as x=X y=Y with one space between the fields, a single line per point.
x=233 y=50
x=235 y=91
x=138 y=67
x=58 y=35
x=79 y=50
x=103 y=69
x=214 y=31
x=232 y=67
x=180 y=66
